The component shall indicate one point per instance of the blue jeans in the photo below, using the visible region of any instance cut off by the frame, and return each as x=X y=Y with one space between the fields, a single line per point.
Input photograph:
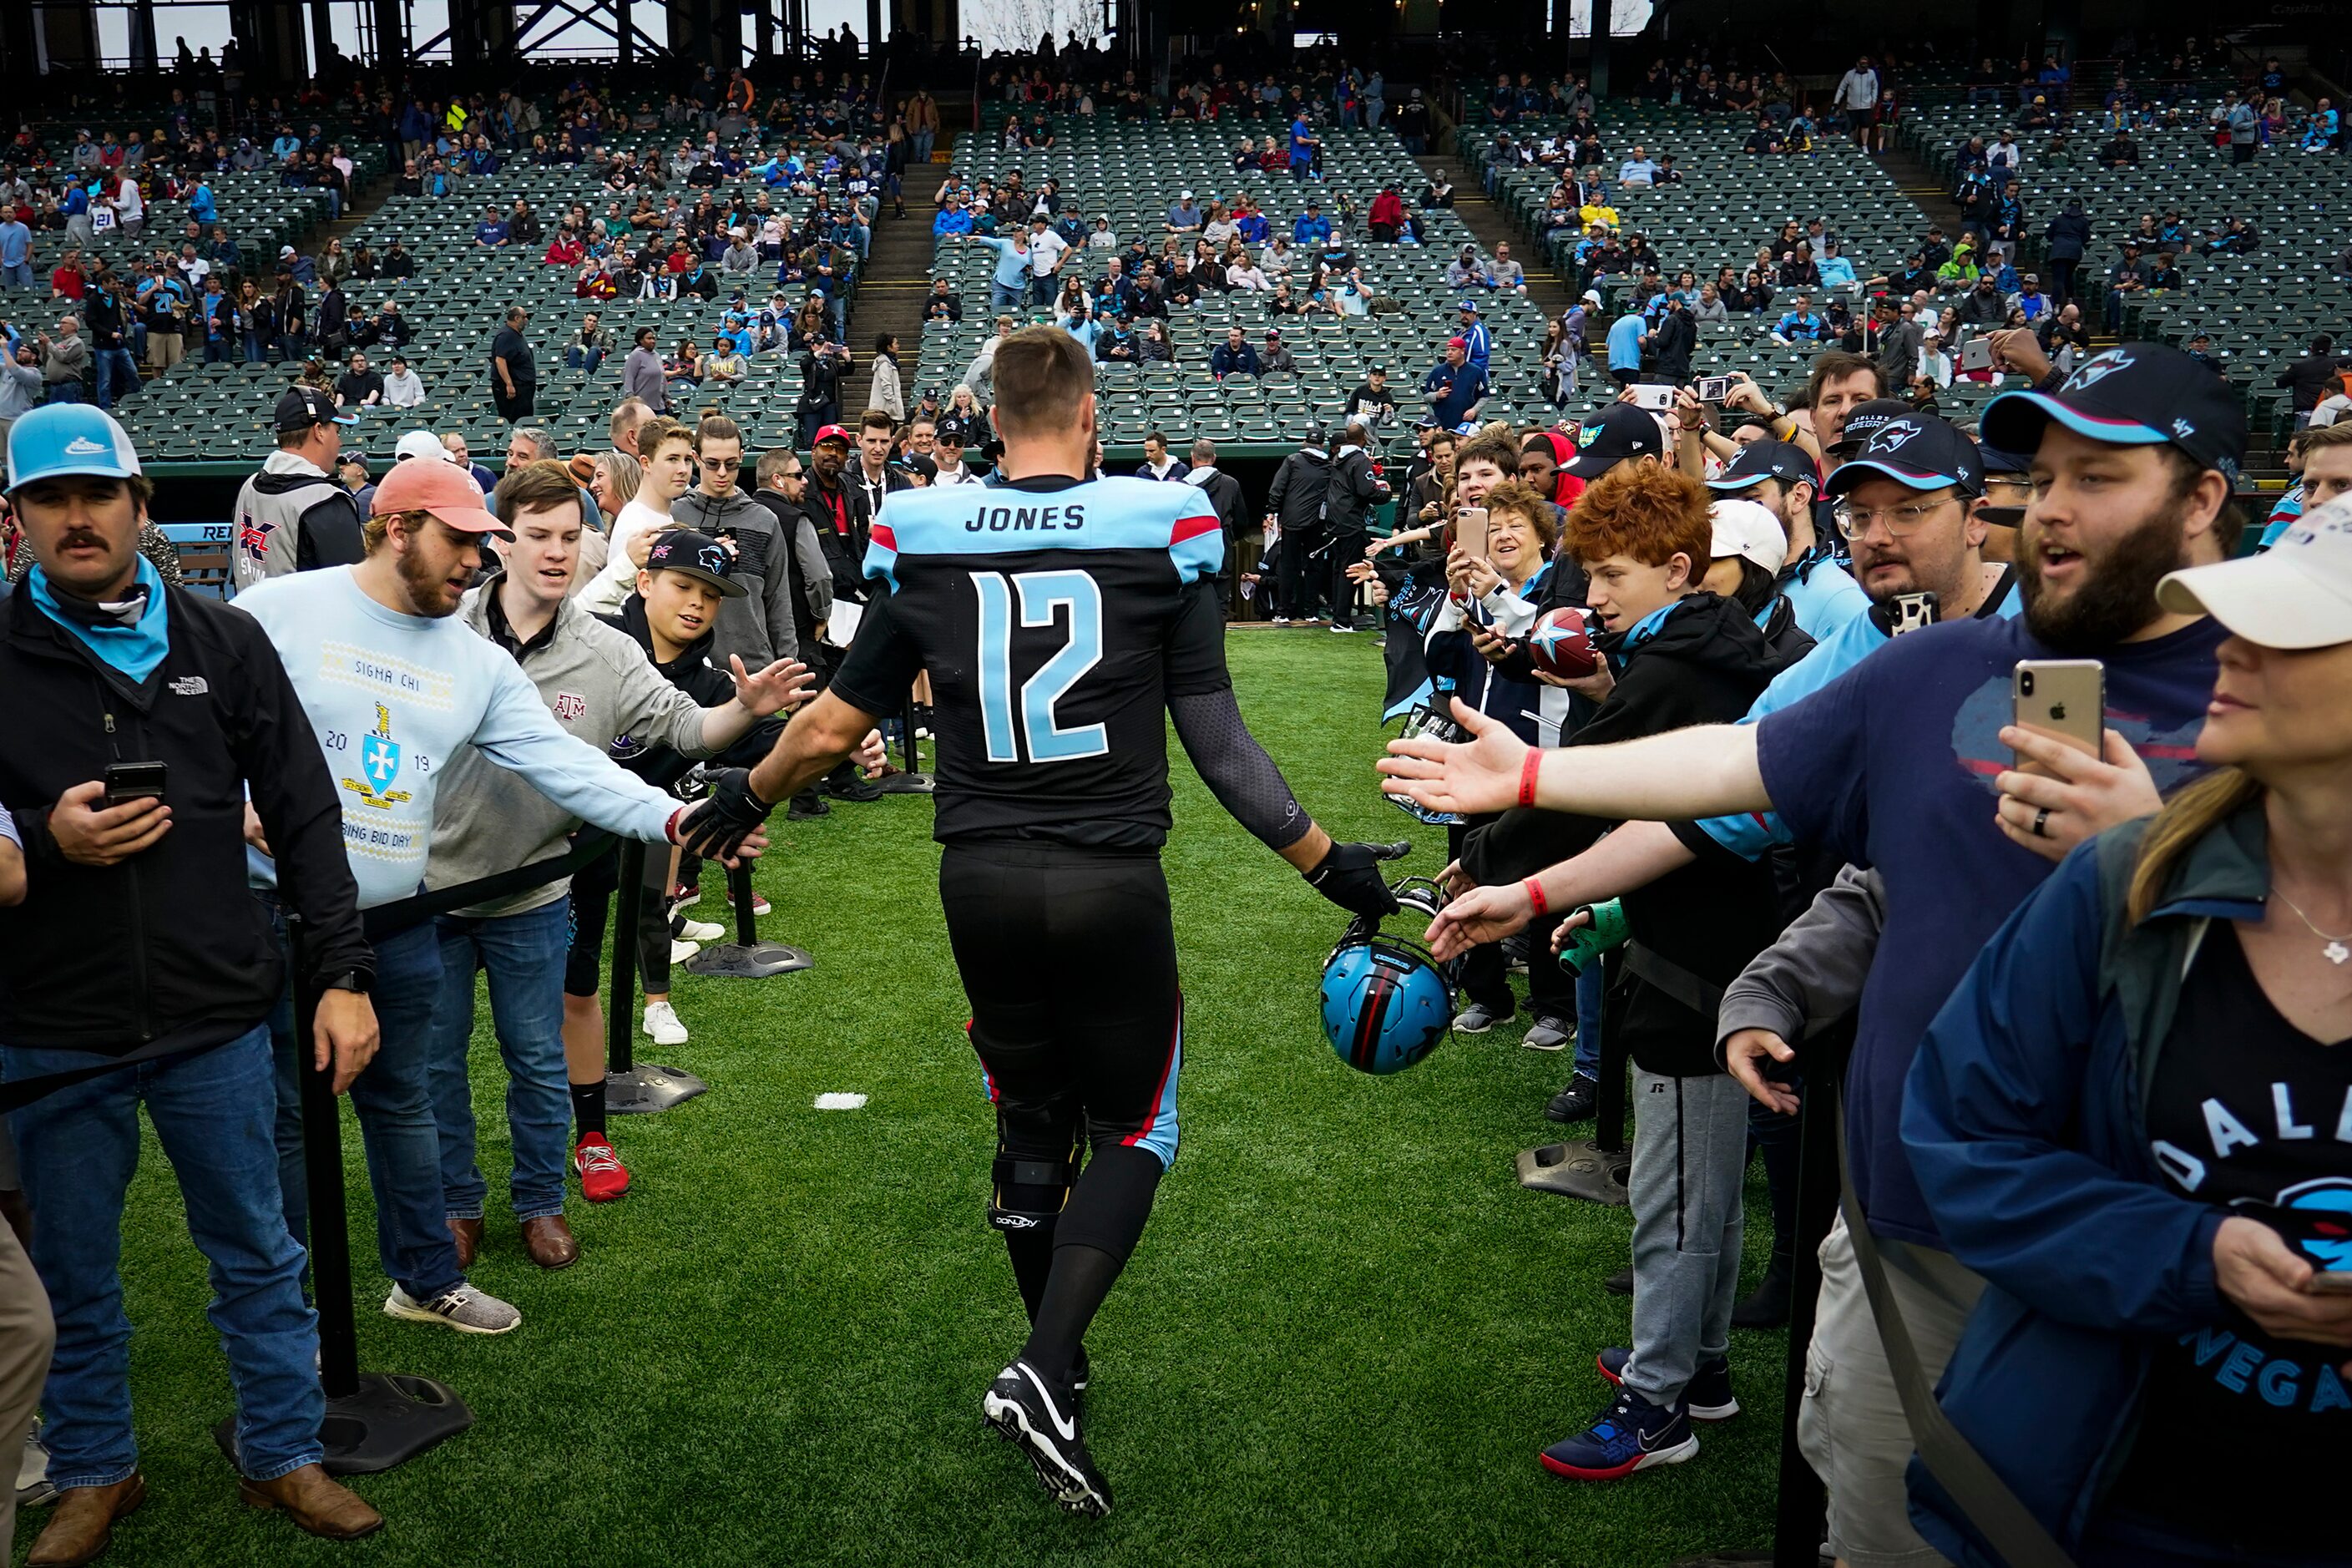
x=217 y=351
x=64 y=392
x=395 y=1103
x=1005 y=296
x=17 y=275
x=116 y=365
x=578 y=358
x=523 y=956
x=79 y=1147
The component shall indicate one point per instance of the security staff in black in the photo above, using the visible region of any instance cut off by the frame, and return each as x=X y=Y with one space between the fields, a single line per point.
x=1060 y=619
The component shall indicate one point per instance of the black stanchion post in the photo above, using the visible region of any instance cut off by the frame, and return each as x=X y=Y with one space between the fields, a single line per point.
x=630 y=1090
x=1597 y=1170
x=747 y=957
x=910 y=779
x=375 y=1420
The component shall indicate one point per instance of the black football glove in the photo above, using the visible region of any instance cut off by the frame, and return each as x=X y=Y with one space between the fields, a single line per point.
x=1349 y=876
x=715 y=828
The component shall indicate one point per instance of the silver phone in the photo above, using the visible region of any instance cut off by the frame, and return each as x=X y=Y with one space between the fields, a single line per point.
x=1713 y=388
x=1977 y=355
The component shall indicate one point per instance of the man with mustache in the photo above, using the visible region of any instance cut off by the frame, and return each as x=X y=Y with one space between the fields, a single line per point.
x=396 y=686
x=1902 y=763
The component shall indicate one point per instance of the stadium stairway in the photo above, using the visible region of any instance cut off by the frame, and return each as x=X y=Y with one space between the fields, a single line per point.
x=897 y=275
x=1546 y=287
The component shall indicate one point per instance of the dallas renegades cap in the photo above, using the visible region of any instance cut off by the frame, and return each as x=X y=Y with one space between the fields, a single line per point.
x=1864 y=418
x=2134 y=394
x=697 y=555
x=1761 y=460
x=1621 y=433
x=1919 y=452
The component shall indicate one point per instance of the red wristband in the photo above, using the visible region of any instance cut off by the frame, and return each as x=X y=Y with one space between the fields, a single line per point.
x=669 y=828
x=1528 y=771
x=1534 y=885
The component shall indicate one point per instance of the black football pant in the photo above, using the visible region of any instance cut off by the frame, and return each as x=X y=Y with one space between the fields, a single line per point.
x=1068 y=957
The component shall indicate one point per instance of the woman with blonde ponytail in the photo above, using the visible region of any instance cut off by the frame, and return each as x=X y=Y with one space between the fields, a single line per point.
x=2135 y=1119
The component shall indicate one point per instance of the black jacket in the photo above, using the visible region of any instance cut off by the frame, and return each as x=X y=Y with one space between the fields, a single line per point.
x=2070 y=236
x=1297 y=498
x=1352 y=490
x=1705 y=664
x=167 y=949
x=2311 y=378
x=1224 y=493
x=1671 y=342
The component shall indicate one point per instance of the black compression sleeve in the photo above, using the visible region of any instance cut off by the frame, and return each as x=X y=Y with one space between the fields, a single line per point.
x=1236 y=768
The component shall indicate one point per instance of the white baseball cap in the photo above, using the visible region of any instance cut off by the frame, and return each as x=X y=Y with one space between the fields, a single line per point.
x=419 y=444
x=1749 y=530
x=2297 y=595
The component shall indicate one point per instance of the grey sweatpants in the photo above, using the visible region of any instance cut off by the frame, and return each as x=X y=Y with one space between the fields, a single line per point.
x=1690 y=1157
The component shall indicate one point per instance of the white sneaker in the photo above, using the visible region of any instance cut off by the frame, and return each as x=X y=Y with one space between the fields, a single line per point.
x=700 y=930
x=662 y=1025
x=464 y=1309
x=680 y=950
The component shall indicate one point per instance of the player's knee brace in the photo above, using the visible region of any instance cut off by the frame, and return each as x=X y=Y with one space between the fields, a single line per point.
x=1027 y=1195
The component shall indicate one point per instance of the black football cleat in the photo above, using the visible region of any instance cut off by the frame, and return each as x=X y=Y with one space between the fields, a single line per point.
x=1043 y=1424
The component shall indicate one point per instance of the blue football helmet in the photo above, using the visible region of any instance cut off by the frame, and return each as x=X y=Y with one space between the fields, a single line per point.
x=1386 y=1001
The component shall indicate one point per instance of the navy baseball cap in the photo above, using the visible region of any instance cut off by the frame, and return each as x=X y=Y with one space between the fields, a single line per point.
x=697 y=555
x=1761 y=460
x=1621 y=433
x=304 y=406
x=1917 y=451
x=2134 y=394
x=1864 y=418
x=2003 y=462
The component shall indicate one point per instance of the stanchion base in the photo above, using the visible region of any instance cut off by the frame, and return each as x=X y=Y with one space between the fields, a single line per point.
x=1578 y=1170
x=906 y=783
x=649 y=1087
x=733 y=960
x=389 y=1419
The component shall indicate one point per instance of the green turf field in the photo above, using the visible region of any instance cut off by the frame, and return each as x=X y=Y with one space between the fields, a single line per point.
x=1345 y=1338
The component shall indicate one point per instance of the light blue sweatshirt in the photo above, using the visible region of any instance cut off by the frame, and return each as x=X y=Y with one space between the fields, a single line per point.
x=393 y=697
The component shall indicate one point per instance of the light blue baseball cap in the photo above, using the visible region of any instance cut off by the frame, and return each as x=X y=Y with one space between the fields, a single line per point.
x=61 y=438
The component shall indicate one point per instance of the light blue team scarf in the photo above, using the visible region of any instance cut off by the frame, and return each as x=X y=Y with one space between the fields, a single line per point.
x=136 y=647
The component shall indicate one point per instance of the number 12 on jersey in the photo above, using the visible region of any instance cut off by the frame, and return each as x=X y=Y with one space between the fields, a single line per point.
x=1006 y=716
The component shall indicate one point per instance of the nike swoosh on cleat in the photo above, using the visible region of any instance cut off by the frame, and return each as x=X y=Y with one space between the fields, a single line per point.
x=1068 y=1429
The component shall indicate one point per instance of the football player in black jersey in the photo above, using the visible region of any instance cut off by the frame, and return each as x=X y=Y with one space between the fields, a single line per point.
x=1059 y=617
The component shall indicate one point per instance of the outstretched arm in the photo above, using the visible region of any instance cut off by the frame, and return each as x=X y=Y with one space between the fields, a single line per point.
x=1707 y=770
x=1249 y=787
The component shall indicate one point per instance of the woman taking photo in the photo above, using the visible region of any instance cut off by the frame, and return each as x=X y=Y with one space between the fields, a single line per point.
x=2134 y=1118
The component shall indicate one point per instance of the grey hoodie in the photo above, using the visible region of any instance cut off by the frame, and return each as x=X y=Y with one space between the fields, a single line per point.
x=759 y=627
x=1813 y=975
x=599 y=685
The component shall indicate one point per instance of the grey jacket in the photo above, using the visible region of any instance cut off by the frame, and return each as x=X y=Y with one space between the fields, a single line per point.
x=1813 y=975
x=65 y=359
x=599 y=685
x=758 y=626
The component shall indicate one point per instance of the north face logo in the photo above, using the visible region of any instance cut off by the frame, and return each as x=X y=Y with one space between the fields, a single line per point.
x=190 y=685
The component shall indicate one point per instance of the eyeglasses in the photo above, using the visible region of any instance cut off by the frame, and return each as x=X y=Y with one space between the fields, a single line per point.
x=1899 y=521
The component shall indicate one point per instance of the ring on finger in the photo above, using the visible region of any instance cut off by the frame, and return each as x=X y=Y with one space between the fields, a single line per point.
x=2042 y=823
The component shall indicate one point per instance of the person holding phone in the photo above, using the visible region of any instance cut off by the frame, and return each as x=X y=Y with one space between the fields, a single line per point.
x=1903 y=763
x=135 y=941
x=2131 y=1119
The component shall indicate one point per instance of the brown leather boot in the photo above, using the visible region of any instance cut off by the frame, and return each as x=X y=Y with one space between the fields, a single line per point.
x=318 y=1504
x=549 y=1241
x=467 y=1235
x=83 y=1523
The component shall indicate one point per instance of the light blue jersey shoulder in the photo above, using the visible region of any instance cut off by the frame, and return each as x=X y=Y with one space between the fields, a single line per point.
x=1097 y=514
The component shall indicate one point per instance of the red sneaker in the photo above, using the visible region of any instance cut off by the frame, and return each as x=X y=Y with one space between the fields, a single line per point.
x=603 y=1177
x=758 y=901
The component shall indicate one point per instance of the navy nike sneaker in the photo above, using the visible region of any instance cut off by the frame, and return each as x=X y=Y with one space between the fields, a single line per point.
x=1043 y=1424
x=1631 y=1435
x=1708 y=1397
